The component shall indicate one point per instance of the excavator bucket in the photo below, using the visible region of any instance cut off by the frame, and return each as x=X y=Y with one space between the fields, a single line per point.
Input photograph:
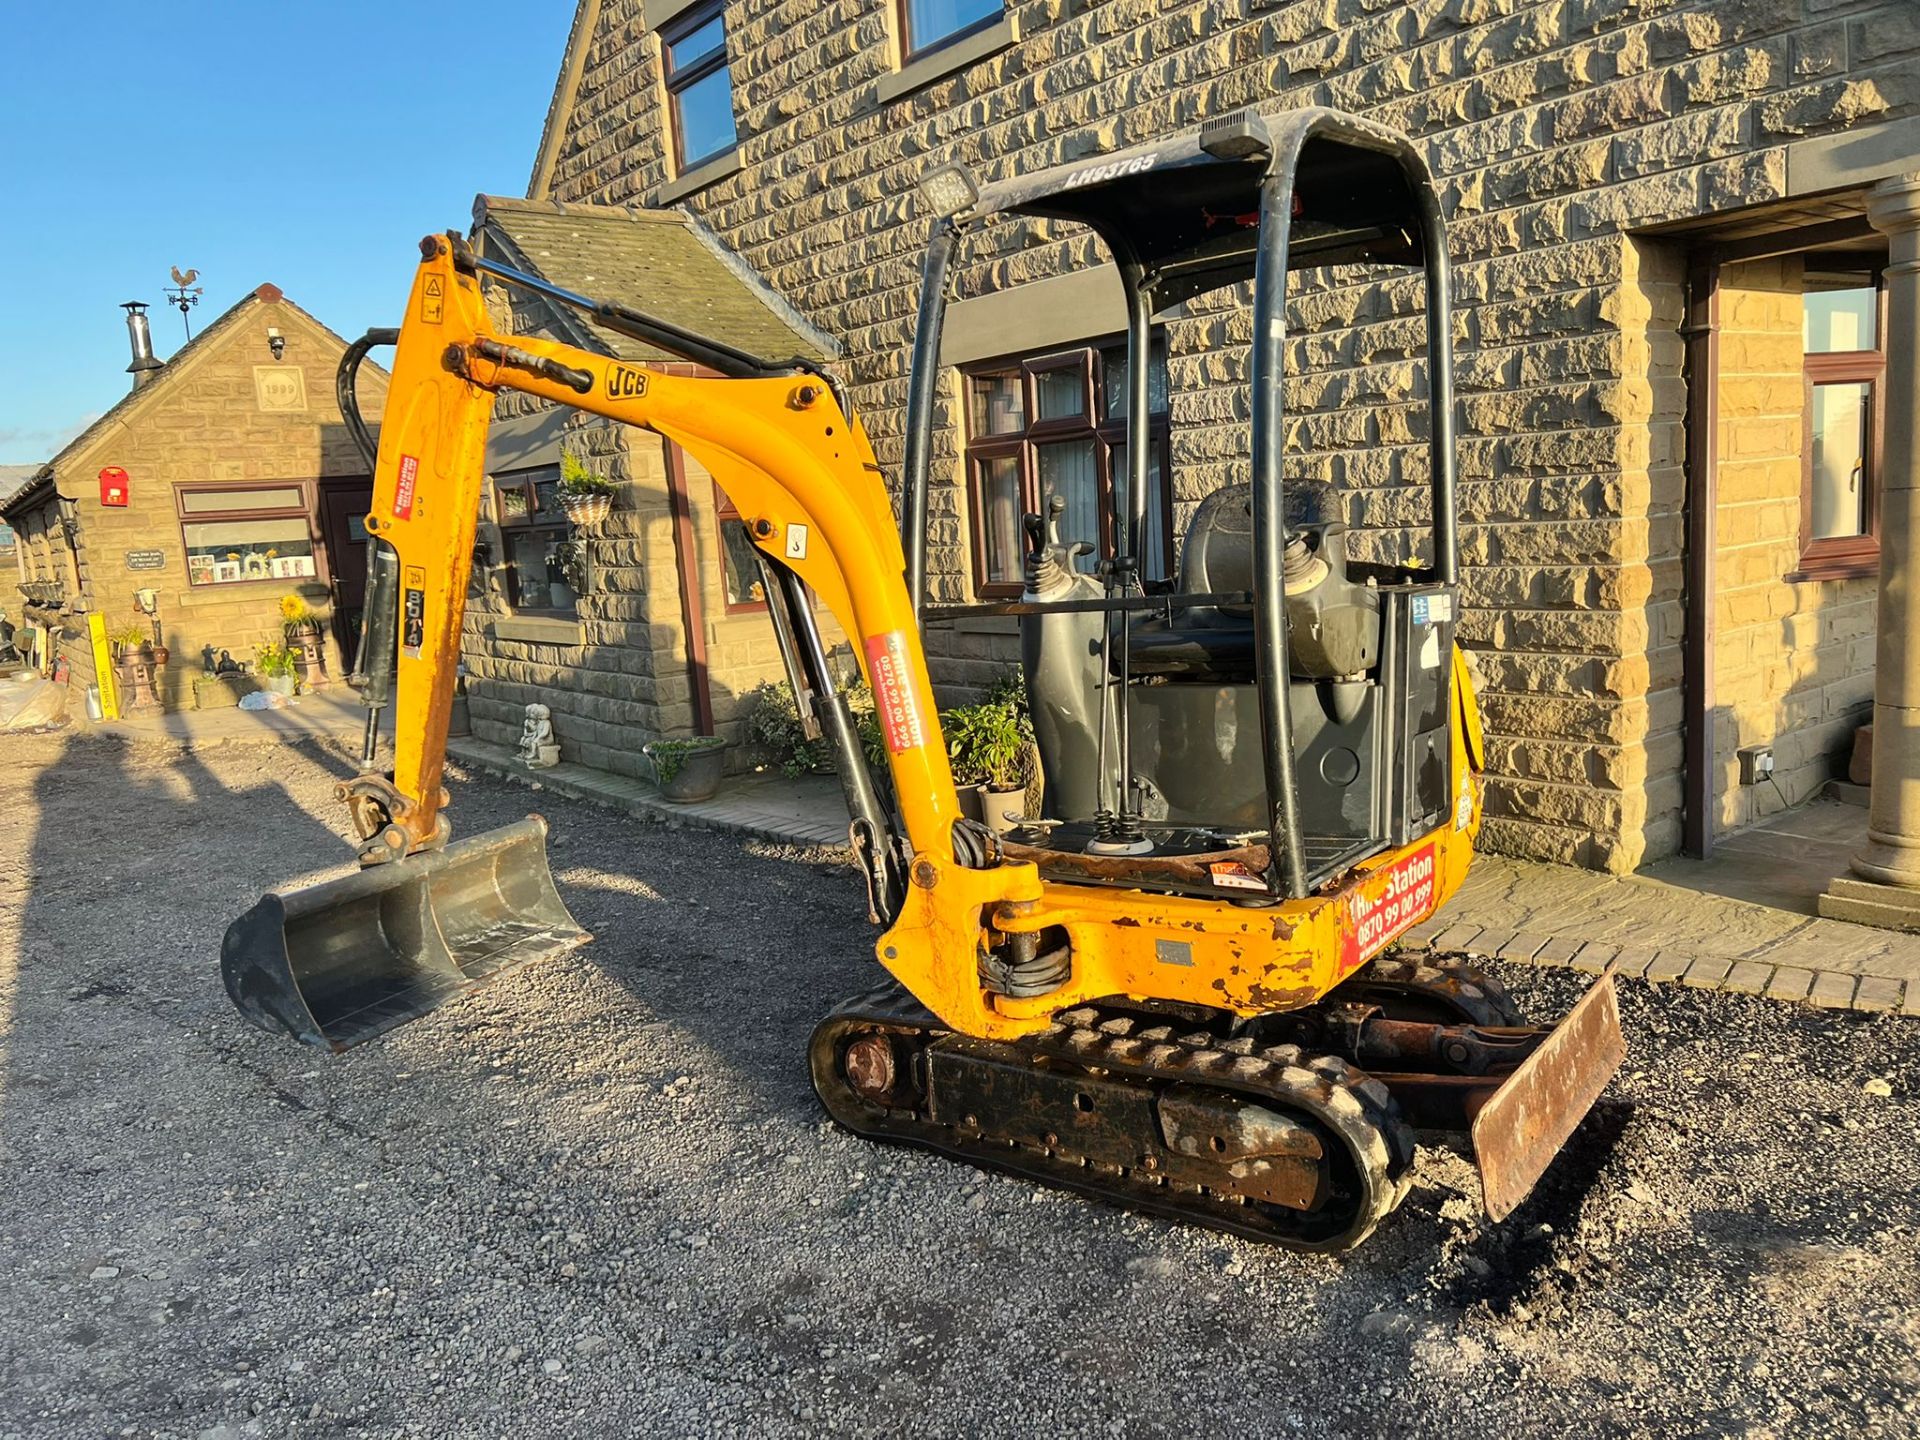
x=345 y=960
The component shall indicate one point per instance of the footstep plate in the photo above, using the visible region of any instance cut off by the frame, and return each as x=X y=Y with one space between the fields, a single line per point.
x=1519 y=1131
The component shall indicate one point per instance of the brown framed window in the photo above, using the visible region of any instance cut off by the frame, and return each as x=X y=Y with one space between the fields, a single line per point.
x=535 y=541
x=740 y=572
x=693 y=54
x=234 y=534
x=1844 y=365
x=928 y=24
x=1055 y=424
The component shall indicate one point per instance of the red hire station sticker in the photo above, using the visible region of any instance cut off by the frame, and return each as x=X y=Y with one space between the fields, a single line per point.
x=403 y=488
x=1386 y=903
x=893 y=701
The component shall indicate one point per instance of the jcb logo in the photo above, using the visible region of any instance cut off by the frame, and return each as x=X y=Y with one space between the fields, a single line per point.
x=625 y=384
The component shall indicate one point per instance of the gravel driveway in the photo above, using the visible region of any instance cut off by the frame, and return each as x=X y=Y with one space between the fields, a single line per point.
x=598 y=1198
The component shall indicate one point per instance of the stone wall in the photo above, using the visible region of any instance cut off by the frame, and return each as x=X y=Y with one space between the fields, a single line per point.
x=1793 y=660
x=1555 y=128
x=201 y=421
x=620 y=675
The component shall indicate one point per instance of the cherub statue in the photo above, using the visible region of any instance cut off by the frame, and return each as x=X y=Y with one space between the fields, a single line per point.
x=537 y=747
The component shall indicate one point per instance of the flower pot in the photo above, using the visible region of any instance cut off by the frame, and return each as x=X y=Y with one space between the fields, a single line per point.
x=586 y=510
x=279 y=684
x=312 y=659
x=686 y=771
x=1003 y=810
x=970 y=802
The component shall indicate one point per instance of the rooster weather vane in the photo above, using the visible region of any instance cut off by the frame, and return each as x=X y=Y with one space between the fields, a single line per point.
x=185 y=294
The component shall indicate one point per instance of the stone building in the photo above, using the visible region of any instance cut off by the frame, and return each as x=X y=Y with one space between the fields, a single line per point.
x=223 y=481
x=654 y=625
x=1670 y=329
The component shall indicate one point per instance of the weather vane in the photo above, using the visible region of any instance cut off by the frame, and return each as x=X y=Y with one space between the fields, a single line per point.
x=184 y=294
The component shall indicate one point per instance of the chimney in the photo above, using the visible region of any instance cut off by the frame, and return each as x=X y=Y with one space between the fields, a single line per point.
x=145 y=364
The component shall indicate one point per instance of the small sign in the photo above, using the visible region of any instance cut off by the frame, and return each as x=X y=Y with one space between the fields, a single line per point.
x=432 y=301
x=1232 y=875
x=403 y=487
x=1432 y=609
x=146 y=559
x=796 y=542
x=1384 y=905
x=280 y=387
x=894 y=702
x=113 y=486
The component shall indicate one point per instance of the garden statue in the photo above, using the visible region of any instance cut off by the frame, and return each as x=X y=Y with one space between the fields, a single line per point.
x=537 y=748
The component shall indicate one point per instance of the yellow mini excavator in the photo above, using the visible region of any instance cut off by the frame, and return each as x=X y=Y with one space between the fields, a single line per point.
x=1176 y=989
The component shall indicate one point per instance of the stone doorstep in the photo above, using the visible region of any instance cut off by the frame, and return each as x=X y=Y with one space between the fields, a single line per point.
x=728 y=815
x=1889 y=907
x=1829 y=989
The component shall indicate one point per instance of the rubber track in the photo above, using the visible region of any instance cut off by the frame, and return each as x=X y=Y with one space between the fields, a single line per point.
x=1348 y=1107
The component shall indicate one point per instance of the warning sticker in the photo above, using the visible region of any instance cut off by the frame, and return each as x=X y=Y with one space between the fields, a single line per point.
x=1235 y=876
x=1386 y=903
x=413 y=614
x=432 y=301
x=893 y=699
x=403 y=488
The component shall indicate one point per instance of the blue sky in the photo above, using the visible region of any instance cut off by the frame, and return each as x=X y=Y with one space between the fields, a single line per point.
x=306 y=144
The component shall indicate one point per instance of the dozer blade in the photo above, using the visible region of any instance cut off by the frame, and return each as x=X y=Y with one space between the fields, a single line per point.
x=1526 y=1121
x=345 y=960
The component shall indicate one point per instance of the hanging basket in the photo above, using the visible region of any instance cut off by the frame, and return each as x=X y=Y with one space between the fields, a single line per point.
x=587 y=510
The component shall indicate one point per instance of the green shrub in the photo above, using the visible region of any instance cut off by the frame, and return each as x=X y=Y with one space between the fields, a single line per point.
x=992 y=743
x=773 y=724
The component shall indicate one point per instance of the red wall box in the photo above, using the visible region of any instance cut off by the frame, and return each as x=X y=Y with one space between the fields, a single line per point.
x=113 y=486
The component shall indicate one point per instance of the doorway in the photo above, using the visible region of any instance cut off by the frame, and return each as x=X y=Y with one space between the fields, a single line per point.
x=343 y=530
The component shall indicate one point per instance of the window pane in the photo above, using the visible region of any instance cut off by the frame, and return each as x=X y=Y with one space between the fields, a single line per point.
x=1839 y=443
x=511 y=504
x=233 y=550
x=1841 y=319
x=997 y=405
x=546 y=501
x=696 y=44
x=740 y=565
x=1060 y=394
x=1071 y=470
x=539 y=579
x=931 y=21
x=1113 y=364
x=705 y=113
x=208 y=502
x=1000 y=519
x=1152 y=550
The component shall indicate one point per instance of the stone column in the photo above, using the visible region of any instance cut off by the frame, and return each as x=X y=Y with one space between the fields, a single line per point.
x=1887 y=891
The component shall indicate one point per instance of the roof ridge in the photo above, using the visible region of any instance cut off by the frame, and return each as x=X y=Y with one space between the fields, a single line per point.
x=585 y=209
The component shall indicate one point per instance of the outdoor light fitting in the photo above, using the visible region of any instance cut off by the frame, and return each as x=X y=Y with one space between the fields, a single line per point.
x=949 y=190
x=277 y=343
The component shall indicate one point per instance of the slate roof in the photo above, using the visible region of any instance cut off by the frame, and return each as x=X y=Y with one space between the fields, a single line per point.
x=662 y=262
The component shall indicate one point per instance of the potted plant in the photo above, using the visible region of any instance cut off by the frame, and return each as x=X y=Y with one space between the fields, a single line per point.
x=275 y=662
x=586 y=497
x=126 y=639
x=686 y=769
x=991 y=745
x=300 y=624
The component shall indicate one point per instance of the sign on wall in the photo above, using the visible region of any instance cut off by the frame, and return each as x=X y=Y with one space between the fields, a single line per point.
x=113 y=486
x=280 y=387
x=146 y=559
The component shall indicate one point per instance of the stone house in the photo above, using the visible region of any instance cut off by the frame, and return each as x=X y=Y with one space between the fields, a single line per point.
x=655 y=625
x=223 y=481
x=1670 y=326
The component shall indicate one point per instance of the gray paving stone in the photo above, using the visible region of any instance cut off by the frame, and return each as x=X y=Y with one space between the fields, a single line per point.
x=1832 y=990
x=1456 y=937
x=1789 y=983
x=1420 y=937
x=1669 y=965
x=1877 y=992
x=1707 y=972
x=1633 y=960
x=1522 y=948
x=1595 y=956
x=1558 y=951
x=1911 y=1005
x=1749 y=977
